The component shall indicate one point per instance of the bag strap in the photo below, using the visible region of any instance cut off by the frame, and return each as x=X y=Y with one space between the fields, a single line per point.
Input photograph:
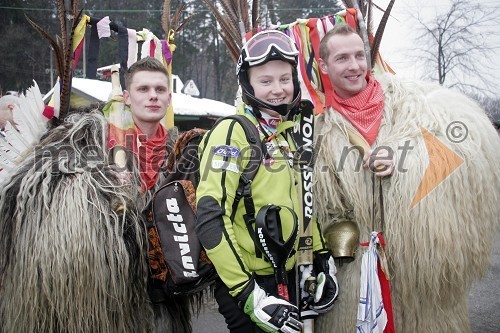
x=244 y=189
x=253 y=139
x=248 y=174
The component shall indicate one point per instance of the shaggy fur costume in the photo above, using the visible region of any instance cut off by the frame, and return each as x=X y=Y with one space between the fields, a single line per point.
x=435 y=250
x=72 y=247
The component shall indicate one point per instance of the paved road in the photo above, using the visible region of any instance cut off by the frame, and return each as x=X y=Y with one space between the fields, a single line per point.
x=484 y=304
x=484 y=298
x=210 y=321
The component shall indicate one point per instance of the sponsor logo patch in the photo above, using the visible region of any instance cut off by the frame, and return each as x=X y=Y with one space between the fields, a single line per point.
x=225 y=165
x=273 y=122
x=226 y=151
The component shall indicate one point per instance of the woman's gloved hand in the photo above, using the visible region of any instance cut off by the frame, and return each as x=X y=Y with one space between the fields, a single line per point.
x=269 y=313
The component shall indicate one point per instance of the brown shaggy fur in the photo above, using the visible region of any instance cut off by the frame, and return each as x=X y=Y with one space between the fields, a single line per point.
x=71 y=260
x=437 y=249
x=72 y=244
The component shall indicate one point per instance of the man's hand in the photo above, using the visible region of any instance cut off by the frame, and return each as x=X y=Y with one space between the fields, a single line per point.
x=327 y=288
x=380 y=161
x=269 y=313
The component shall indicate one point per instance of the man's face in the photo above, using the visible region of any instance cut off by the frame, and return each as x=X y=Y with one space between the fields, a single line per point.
x=346 y=65
x=272 y=83
x=148 y=97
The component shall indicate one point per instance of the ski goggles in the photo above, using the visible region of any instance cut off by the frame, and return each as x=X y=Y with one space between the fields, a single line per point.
x=258 y=48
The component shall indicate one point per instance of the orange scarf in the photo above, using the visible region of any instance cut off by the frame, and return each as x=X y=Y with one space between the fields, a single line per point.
x=151 y=155
x=364 y=111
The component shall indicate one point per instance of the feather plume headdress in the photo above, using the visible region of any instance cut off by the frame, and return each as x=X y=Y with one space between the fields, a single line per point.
x=63 y=47
x=30 y=125
x=29 y=112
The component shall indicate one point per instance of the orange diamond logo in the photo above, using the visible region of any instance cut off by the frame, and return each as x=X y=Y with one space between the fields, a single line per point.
x=442 y=162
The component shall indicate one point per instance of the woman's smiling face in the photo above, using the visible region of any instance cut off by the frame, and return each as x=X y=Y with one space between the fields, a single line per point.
x=272 y=83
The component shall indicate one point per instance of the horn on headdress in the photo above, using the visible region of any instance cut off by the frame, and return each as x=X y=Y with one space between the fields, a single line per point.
x=235 y=22
x=63 y=49
x=380 y=31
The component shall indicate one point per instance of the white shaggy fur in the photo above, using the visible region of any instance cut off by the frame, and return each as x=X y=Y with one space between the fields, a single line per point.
x=439 y=247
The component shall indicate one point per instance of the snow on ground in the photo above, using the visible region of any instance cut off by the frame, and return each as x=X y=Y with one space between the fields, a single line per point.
x=183 y=104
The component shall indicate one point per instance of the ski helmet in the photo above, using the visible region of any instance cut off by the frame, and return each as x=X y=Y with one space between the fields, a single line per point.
x=263 y=47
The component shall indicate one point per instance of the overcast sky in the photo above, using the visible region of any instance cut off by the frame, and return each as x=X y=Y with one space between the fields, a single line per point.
x=398 y=39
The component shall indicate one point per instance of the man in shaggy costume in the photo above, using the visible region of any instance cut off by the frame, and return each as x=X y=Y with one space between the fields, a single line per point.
x=72 y=243
x=439 y=224
x=71 y=248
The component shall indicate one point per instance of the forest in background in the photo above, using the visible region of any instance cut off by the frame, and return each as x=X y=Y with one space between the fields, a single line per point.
x=200 y=54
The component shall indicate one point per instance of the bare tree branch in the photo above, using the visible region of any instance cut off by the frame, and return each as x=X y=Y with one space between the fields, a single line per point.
x=454 y=47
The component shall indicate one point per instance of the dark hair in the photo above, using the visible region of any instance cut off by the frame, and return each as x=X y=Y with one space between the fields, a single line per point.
x=148 y=64
x=338 y=29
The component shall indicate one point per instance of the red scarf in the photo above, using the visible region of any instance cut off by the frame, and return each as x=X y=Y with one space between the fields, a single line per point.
x=151 y=154
x=364 y=111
